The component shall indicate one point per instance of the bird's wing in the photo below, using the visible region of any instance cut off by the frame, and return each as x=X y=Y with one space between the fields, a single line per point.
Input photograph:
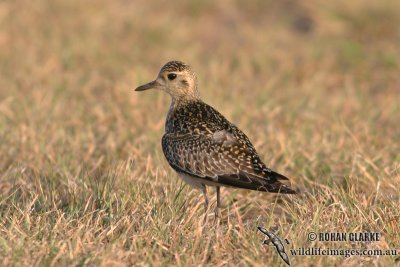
x=220 y=158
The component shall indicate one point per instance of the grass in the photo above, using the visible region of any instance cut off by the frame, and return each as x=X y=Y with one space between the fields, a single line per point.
x=83 y=181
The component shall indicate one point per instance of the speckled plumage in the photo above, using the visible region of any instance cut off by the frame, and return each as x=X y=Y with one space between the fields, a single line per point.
x=200 y=142
x=175 y=66
x=202 y=145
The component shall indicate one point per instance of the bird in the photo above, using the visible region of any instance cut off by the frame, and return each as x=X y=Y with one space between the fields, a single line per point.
x=202 y=146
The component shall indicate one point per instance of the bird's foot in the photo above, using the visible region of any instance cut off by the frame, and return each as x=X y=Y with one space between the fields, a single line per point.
x=217 y=216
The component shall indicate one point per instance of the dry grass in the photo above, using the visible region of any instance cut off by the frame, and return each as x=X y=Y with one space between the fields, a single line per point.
x=83 y=179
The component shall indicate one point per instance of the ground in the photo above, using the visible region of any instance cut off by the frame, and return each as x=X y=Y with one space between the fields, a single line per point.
x=83 y=181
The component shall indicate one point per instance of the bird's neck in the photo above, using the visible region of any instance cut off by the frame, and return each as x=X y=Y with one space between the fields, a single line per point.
x=183 y=100
x=177 y=103
x=182 y=95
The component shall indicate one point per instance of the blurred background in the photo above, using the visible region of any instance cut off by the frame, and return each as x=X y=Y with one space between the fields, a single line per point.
x=303 y=73
x=314 y=84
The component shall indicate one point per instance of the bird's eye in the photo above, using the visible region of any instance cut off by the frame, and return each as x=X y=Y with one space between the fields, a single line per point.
x=171 y=76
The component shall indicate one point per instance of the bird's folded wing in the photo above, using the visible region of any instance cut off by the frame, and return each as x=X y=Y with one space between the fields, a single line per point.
x=219 y=158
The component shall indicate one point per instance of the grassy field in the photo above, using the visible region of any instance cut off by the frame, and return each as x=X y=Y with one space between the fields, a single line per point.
x=83 y=181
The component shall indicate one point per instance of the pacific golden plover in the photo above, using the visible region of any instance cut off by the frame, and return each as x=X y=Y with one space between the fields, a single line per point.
x=202 y=146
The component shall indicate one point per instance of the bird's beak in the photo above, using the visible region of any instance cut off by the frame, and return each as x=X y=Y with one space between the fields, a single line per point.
x=147 y=86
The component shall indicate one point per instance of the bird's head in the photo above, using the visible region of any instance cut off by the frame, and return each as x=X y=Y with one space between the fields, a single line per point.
x=177 y=79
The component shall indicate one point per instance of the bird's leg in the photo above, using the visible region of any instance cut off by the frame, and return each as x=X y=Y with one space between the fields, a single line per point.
x=217 y=214
x=218 y=197
x=204 y=190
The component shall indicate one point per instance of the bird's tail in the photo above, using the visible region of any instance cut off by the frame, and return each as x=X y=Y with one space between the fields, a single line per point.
x=268 y=184
x=272 y=184
x=277 y=187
